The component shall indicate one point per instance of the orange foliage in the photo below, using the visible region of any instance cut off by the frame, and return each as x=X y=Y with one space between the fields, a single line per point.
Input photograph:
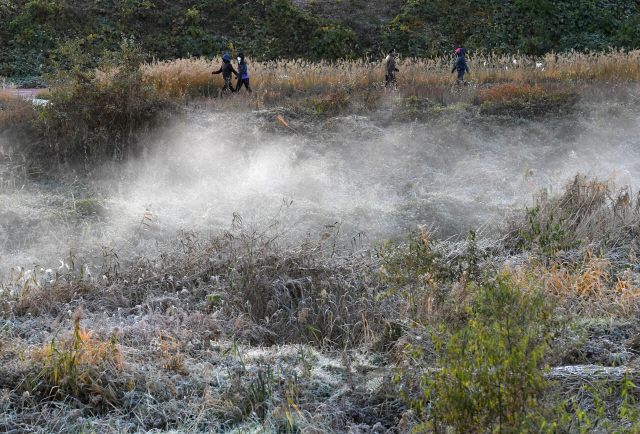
x=509 y=92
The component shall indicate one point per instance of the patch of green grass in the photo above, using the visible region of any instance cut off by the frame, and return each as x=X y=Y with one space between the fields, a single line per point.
x=89 y=207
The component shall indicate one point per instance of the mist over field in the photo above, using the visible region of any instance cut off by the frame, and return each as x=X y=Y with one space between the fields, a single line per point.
x=172 y=258
x=365 y=173
x=178 y=258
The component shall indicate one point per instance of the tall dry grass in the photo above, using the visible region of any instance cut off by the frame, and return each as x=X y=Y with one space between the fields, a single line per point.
x=177 y=77
x=14 y=109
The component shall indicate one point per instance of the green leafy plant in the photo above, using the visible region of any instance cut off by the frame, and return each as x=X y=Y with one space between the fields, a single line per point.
x=490 y=372
x=335 y=42
x=415 y=271
x=546 y=236
x=419 y=272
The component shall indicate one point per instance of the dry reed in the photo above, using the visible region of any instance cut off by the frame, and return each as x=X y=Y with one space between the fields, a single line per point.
x=176 y=77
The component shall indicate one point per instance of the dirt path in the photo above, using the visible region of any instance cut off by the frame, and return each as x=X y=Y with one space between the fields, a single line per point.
x=25 y=93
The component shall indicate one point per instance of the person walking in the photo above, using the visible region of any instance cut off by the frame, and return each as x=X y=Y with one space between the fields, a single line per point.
x=390 y=62
x=460 y=66
x=243 y=74
x=226 y=69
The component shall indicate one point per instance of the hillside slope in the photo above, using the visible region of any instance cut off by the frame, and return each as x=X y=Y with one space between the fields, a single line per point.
x=40 y=35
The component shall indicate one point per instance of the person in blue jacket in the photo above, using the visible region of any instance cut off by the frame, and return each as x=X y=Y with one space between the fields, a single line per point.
x=243 y=74
x=226 y=69
x=460 y=66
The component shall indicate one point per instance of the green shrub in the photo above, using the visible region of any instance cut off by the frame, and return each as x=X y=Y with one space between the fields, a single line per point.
x=490 y=373
x=421 y=273
x=96 y=114
x=335 y=42
x=42 y=11
x=416 y=272
x=545 y=235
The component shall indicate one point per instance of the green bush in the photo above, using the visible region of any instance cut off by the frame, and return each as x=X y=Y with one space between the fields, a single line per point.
x=526 y=26
x=490 y=373
x=545 y=234
x=42 y=11
x=96 y=115
x=335 y=42
x=421 y=273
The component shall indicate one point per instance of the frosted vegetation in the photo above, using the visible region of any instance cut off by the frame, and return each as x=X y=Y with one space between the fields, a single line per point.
x=186 y=262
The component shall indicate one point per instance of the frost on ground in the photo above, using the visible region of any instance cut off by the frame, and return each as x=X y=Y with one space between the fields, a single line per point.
x=228 y=279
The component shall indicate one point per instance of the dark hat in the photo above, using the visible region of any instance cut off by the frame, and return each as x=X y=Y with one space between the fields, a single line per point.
x=226 y=57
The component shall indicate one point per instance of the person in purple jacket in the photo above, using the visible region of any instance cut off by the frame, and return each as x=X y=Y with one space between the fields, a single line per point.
x=243 y=74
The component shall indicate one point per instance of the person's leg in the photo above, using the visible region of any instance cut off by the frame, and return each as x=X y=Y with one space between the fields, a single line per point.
x=246 y=83
x=228 y=84
x=460 y=79
x=239 y=84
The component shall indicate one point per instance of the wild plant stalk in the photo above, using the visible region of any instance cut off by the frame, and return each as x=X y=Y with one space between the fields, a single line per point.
x=176 y=77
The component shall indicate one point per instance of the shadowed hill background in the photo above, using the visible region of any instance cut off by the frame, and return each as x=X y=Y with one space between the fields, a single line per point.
x=36 y=35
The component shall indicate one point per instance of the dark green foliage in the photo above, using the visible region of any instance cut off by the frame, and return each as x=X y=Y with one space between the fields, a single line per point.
x=33 y=31
x=335 y=42
x=427 y=27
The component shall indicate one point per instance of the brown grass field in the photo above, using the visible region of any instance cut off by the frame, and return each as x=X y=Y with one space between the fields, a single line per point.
x=177 y=77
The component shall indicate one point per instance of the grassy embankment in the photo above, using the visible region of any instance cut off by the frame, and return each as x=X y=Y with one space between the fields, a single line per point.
x=104 y=112
x=428 y=334
x=36 y=34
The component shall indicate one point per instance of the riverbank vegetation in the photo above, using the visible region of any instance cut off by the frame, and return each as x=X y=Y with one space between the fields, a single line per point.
x=93 y=114
x=530 y=326
x=532 y=331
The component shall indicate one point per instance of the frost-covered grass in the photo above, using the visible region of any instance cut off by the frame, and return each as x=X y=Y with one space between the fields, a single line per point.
x=233 y=276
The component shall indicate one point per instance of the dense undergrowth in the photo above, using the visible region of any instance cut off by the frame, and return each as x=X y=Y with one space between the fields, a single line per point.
x=36 y=32
x=529 y=27
x=251 y=330
x=428 y=334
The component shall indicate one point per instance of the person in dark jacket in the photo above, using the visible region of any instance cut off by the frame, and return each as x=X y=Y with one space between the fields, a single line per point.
x=243 y=74
x=226 y=69
x=460 y=66
x=390 y=61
